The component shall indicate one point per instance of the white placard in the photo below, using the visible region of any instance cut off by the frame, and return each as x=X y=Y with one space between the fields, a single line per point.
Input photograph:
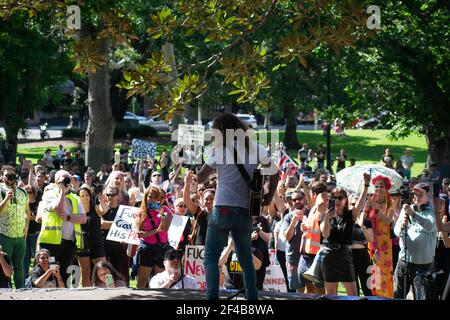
x=191 y=135
x=195 y=255
x=176 y=229
x=122 y=228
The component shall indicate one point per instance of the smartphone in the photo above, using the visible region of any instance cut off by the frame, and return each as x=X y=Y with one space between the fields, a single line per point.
x=331 y=204
x=436 y=188
x=52 y=260
x=109 y=281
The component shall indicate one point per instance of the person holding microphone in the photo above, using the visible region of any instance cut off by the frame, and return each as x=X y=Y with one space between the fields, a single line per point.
x=416 y=228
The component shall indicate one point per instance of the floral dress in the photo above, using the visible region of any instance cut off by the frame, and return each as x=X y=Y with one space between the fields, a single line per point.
x=380 y=251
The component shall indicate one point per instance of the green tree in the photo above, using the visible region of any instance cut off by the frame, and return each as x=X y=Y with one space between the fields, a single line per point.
x=30 y=63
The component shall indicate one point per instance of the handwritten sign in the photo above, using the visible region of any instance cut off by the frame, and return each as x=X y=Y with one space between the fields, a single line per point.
x=122 y=228
x=191 y=135
x=176 y=229
x=194 y=257
x=142 y=149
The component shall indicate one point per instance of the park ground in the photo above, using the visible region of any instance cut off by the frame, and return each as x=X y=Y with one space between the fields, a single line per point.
x=366 y=146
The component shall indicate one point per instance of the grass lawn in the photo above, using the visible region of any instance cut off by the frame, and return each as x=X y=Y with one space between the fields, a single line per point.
x=366 y=146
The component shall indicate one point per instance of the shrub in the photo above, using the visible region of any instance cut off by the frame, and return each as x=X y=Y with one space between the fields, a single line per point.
x=72 y=133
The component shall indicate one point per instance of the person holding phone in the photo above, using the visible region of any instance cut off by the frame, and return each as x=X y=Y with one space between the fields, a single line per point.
x=45 y=275
x=105 y=276
x=336 y=238
x=417 y=226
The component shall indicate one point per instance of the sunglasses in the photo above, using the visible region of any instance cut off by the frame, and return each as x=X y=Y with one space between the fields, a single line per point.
x=340 y=198
x=201 y=190
x=156 y=175
x=379 y=187
x=299 y=198
x=111 y=194
x=181 y=206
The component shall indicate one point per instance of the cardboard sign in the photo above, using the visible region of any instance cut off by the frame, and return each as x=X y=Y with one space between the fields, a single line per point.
x=274 y=280
x=194 y=257
x=191 y=135
x=142 y=149
x=176 y=229
x=122 y=228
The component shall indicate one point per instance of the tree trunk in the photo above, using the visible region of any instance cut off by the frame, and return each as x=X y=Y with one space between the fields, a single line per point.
x=267 y=121
x=439 y=152
x=290 y=135
x=100 y=131
x=169 y=57
x=11 y=131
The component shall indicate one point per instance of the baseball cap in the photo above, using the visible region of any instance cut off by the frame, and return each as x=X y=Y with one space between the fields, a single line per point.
x=156 y=173
x=422 y=186
x=171 y=254
x=76 y=177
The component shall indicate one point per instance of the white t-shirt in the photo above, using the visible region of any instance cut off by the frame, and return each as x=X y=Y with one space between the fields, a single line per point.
x=160 y=278
x=232 y=190
x=281 y=241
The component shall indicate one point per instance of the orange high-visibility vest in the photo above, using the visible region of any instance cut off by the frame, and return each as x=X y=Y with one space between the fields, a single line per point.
x=312 y=237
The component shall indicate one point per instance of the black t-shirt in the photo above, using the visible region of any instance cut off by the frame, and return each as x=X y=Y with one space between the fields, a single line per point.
x=341 y=229
x=184 y=238
x=357 y=233
x=234 y=277
x=110 y=215
x=5 y=282
x=202 y=226
x=92 y=227
x=260 y=243
x=34 y=227
x=37 y=272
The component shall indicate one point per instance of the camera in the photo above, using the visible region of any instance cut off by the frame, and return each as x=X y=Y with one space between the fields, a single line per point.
x=66 y=181
x=256 y=229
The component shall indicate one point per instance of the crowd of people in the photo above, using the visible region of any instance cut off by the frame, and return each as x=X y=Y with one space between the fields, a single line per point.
x=59 y=212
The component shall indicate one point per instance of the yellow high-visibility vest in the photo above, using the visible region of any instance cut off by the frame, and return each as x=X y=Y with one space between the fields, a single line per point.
x=51 y=228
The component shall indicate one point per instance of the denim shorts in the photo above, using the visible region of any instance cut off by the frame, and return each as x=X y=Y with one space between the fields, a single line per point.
x=306 y=261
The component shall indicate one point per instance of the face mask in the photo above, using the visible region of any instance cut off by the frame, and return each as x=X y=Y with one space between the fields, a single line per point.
x=153 y=206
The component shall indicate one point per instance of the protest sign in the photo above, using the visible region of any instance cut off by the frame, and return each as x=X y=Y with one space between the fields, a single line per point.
x=194 y=257
x=122 y=228
x=191 y=135
x=176 y=229
x=274 y=280
x=141 y=149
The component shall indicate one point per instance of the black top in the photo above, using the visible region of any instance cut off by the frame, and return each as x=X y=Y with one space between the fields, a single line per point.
x=234 y=277
x=92 y=227
x=260 y=243
x=184 y=238
x=5 y=282
x=202 y=225
x=110 y=215
x=34 y=227
x=357 y=233
x=37 y=272
x=341 y=228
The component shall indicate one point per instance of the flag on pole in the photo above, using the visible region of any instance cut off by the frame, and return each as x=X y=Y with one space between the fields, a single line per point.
x=286 y=165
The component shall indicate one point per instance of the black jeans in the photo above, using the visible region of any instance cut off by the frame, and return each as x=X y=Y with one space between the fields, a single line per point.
x=399 y=276
x=260 y=276
x=361 y=261
x=281 y=257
